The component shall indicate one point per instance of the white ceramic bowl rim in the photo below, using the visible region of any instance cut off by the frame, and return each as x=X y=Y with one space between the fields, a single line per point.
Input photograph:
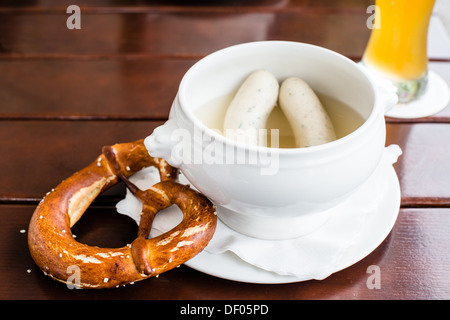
x=288 y=151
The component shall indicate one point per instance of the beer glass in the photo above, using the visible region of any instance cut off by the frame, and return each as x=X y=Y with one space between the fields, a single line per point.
x=397 y=48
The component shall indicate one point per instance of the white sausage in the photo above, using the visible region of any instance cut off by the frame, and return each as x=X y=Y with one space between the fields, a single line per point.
x=251 y=106
x=309 y=120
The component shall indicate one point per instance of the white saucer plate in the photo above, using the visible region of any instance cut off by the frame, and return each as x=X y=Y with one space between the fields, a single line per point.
x=379 y=224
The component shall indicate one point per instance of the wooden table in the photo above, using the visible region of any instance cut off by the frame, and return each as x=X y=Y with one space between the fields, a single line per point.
x=65 y=93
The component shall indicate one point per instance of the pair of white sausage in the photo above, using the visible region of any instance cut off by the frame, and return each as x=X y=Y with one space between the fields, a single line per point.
x=254 y=101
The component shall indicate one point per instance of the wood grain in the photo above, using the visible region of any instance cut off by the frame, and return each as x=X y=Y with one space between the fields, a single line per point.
x=423 y=165
x=117 y=89
x=40 y=154
x=191 y=34
x=410 y=260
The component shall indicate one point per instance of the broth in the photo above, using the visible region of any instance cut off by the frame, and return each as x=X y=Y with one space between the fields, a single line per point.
x=345 y=119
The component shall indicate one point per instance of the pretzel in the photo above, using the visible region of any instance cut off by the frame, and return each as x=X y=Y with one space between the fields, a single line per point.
x=60 y=256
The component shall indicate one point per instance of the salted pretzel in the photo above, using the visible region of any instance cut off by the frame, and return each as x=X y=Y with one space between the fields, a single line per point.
x=59 y=255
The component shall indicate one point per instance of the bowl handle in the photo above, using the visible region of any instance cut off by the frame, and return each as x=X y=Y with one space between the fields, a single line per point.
x=165 y=142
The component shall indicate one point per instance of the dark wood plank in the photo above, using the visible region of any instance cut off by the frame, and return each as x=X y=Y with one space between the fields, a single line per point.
x=53 y=145
x=40 y=154
x=424 y=164
x=412 y=260
x=177 y=34
x=112 y=89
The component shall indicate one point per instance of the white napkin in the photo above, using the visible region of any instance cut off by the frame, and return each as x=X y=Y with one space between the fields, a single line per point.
x=314 y=256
